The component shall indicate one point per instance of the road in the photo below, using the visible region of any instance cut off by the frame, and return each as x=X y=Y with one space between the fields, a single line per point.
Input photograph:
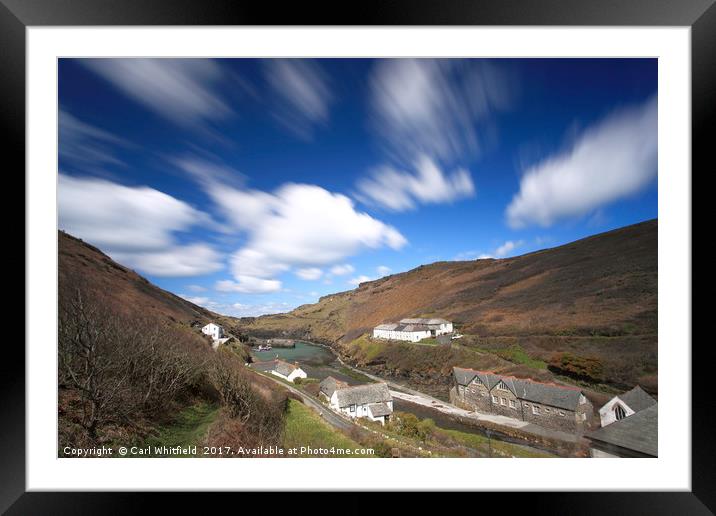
x=327 y=414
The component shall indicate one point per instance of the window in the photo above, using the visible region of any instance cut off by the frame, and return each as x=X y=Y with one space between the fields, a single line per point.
x=353 y=408
x=513 y=404
x=619 y=412
x=546 y=409
x=503 y=401
x=494 y=399
x=535 y=409
x=502 y=386
x=560 y=412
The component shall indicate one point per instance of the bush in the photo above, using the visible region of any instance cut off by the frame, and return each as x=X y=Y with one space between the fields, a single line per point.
x=588 y=369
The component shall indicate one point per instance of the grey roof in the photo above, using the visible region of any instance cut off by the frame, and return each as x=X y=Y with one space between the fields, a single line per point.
x=388 y=326
x=637 y=399
x=422 y=320
x=553 y=395
x=284 y=368
x=638 y=432
x=279 y=366
x=329 y=385
x=380 y=409
x=363 y=394
x=402 y=327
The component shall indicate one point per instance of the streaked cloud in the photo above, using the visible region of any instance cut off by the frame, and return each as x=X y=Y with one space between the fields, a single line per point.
x=136 y=226
x=297 y=227
x=302 y=91
x=399 y=190
x=86 y=147
x=309 y=273
x=184 y=91
x=438 y=107
x=611 y=160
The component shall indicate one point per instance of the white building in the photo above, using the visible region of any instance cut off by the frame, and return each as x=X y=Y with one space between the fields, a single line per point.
x=215 y=331
x=372 y=401
x=412 y=330
x=624 y=405
x=282 y=369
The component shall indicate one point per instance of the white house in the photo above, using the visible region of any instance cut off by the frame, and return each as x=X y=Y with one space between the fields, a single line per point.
x=436 y=326
x=372 y=401
x=624 y=405
x=412 y=330
x=215 y=331
x=282 y=369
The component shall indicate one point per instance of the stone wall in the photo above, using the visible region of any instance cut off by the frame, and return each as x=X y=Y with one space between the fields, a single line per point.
x=476 y=396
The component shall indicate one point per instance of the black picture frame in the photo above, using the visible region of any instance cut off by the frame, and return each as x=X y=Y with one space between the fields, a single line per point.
x=17 y=15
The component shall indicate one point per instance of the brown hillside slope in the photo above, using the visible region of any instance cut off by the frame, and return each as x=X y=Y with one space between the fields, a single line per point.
x=593 y=297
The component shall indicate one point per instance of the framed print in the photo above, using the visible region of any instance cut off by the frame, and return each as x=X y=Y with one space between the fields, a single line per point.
x=441 y=248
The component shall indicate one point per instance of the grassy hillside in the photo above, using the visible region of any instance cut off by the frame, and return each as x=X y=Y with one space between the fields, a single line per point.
x=133 y=365
x=548 y=311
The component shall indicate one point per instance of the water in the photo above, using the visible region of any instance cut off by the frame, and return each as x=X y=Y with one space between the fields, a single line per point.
x=318 y=361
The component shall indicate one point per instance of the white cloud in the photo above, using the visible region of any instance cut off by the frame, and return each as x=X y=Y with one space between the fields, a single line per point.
x=196 y=288
x=398 y=190
x=309 y=273
x=298 y=226
x=609 y=161
x=342 y=270
x=173 y=261
x=255 y=310
x=201 y=301
x=304 y=96
x=181 y=90
x=85 y=146
x=383 y=270
x=434 y=106
x=508 y=247
x=359 y=279
x=135 y=226
x=249 y=285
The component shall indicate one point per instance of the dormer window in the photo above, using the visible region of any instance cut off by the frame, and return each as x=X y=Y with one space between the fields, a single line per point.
x=619 y=412
x=502 y=386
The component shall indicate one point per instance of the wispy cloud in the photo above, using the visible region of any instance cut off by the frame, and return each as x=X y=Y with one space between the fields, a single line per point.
x=135 y=225
x=611 y=160
x=383 y=270
x=302 y=91
x=342 y=269
x=399 y=190
x=85 y=146
x=436 y=106
x=309 y=273
x=297 y=227
x=184 y=91
x=359 y=279
x=502 y=251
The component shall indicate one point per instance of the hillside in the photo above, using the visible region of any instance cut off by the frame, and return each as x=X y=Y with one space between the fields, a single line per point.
x=126 y=292
x=132 y=360
x=590 y=305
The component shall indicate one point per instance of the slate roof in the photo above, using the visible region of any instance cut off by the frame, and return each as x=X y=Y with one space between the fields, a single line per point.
x=638 y=432
x=637 y=399
x=379 y=409
x=284 y=368
x=543 y=393
x=329 y=384
x=363 y=394
x=402 y=327
x=421 y=320
x=281 y=367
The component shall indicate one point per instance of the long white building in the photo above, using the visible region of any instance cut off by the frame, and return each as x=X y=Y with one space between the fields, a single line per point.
x=412 y=330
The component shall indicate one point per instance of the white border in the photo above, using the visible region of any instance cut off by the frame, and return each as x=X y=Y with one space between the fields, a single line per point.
x=671 y=471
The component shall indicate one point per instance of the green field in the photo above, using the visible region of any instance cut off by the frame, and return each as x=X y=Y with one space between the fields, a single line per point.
x=188 y=428
x=305 y=428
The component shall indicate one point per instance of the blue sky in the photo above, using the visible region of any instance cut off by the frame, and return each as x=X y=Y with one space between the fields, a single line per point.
x=254 y=186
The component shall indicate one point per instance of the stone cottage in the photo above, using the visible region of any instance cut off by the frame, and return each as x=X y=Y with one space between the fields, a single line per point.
x=552 y=406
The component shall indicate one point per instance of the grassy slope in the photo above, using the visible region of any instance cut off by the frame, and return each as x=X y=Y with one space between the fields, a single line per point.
x=593 y=297
x=306 y=428
x=189 y=427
